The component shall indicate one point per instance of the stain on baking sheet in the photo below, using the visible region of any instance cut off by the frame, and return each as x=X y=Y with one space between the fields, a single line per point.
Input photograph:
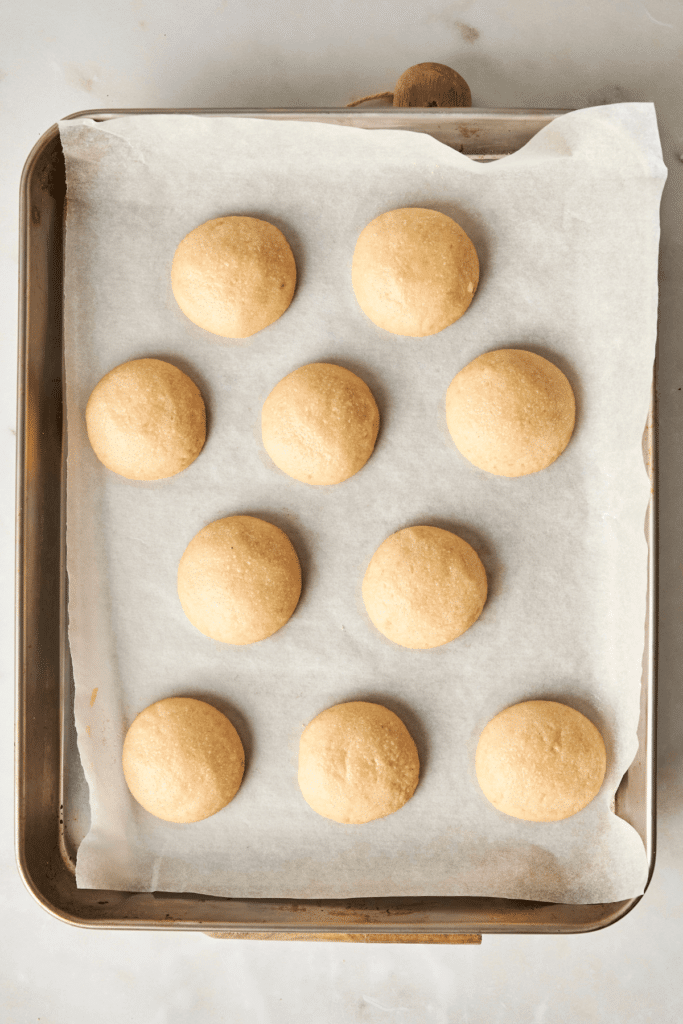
x=610 y=94
x=93 y=696
x=468 y=131
x=531 y=861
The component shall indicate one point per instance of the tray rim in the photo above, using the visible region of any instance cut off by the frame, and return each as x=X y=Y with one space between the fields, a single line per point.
x=610 y=912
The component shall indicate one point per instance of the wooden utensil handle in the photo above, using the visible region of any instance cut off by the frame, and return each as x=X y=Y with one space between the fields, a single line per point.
x=426 y=85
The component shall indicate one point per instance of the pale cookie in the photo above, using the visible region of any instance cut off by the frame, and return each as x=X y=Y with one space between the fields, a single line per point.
x=182 y=759
x=233 y=276
x=357 y=762
x=414 y=271
x=146 y=420
x=320 y=423
x=424 y=587
x=510 y=412
x=540 y=761
x=239 y=580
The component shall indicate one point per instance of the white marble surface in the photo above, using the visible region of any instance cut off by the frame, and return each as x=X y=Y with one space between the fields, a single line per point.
x=59 y=58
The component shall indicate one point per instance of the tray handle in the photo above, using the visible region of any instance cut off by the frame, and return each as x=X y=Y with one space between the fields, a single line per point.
x=455 y=939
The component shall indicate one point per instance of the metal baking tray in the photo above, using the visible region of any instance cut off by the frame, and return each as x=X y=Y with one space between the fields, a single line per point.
x=52 y=811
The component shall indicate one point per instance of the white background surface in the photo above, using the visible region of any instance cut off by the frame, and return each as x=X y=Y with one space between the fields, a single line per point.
x=59 y=58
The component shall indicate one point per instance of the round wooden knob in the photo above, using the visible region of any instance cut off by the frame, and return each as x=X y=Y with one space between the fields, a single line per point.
x=432 y=85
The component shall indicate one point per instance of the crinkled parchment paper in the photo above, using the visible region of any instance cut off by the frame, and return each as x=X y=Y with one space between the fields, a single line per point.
x=567 y=233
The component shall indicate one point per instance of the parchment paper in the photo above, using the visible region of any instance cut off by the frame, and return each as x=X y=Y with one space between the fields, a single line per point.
x=567 y=234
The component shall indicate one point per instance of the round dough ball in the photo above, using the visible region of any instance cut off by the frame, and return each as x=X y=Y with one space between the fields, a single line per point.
x=540 y=761
x=146 y=420
x=357 y=762
x=320 y=424
x=182 y=759
x=233 y=276
x=414 y=271
x=424 y=587
x=510 y=412
x=239 y=580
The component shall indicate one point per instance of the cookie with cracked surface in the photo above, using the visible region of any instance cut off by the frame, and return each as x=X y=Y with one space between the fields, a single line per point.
x=414 y=271
x=183 y=760
x=319 y=424
x=540 y=761
x=357 y=762
x=239 y=580
x=234 y=276
x=424 y=587
x=146 y=420
x=510 y=412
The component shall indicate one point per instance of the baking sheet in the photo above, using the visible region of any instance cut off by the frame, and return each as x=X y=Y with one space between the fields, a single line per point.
x=567 y=233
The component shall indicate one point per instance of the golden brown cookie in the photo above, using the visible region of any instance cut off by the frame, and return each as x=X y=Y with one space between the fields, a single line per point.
x=239 y=580
x=540 y=761
x=510 y=412
x=414 y=271
x=424 y=587
x=146 y=420
x=182 y=759
x=233 y=276
x=320 y=423
x=357 y=762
